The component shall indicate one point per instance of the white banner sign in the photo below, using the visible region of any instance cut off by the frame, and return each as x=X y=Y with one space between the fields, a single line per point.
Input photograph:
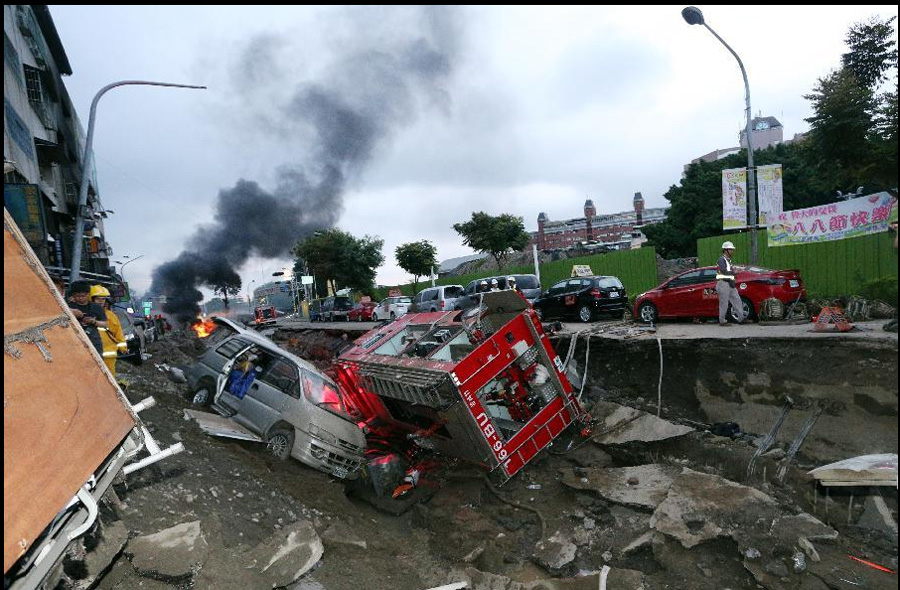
x=771 y=195
x=734 y=198
x=836 y=221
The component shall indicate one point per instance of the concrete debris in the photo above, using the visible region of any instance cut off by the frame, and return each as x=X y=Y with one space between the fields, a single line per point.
x=623 y=424
x=112 y=541
x=644 y=486
x=865 y=470
x=173 y=553
x=555 y=553
x=700 y=507
x=876 y=515
x=808 y=549
x=617 y=579
x=340 y=533
x=286 y=558
x=788 y=529
x=643 y=541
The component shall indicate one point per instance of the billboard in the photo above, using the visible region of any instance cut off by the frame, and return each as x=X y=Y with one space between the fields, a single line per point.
x=770 y=192
x=734 y=198
x=836 y=221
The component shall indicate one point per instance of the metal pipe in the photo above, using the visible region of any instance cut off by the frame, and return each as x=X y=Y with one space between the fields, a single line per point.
x=173 y=450
x=77 y=246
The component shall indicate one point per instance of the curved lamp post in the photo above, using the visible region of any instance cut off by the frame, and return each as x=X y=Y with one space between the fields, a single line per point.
x=77 y=246
x=693 y=16
x=122 y=271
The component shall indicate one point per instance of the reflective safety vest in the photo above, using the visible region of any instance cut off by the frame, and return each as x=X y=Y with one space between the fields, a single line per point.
x=728 y=275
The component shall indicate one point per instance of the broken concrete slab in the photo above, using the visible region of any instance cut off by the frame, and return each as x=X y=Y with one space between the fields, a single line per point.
x=700 y=507
x=555 y=553
x=288 y=556
x=173 y=552
x=100 y=559
x=340 y=533
x=644 y=486
x=619 y=579
x=787 y=530
x=623 y=424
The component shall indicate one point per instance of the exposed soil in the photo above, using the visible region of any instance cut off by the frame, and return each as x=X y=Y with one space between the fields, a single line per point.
x=470 y=530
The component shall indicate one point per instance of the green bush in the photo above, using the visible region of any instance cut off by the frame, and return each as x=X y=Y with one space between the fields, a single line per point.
x=883 y=289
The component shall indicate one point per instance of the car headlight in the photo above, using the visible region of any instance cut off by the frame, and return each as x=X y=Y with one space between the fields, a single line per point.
x=129 y=337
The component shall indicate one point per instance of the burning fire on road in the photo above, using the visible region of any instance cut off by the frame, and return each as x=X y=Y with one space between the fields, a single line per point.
x=203 y=327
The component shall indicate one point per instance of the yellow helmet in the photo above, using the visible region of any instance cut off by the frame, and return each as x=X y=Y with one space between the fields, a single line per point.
x=99 y=291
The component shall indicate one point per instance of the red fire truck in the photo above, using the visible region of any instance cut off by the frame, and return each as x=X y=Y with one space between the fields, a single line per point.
x=264 y=315
x=483 y=385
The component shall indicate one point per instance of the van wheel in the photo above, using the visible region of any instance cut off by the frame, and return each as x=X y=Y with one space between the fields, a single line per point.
x=280 y=443
x=202 y=396
x=393 y=316
x=374 y=317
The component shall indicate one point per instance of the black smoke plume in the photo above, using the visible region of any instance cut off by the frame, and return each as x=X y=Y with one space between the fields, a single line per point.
x=392 y=62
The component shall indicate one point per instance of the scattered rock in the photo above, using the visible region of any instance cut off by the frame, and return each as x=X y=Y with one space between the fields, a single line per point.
x=172 y=553
x=623 y=424
x=97 y=561
x=777 y=568
x=645 y=486
x=700 y=507
x=340 y=533
x=284 y=559
x=555 y=552
x=809 y=549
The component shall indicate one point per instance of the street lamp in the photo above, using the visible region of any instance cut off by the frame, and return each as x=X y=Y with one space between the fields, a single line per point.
x=249 y=302
x=122 y=270
x=75 y=273
x=693 y=16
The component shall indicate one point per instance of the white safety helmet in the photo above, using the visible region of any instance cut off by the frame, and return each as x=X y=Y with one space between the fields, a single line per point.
x=511 y=280
x=727 y=246
x=494 y=282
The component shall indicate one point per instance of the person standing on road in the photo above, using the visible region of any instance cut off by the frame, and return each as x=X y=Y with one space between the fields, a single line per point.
x=725 y=286
x=112 y=336
x=90 y=315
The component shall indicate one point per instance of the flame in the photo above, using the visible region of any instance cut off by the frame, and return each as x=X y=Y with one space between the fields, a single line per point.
x=203 y=328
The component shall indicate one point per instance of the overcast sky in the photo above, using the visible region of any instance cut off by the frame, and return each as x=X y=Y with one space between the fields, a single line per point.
x=539 y=108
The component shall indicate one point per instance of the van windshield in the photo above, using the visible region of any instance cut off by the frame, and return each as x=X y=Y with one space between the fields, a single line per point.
x=323 y=394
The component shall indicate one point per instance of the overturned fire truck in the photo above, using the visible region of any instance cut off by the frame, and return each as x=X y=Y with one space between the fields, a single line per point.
x=483 y=385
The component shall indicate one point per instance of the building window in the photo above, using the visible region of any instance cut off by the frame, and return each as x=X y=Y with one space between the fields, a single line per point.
x=33 y=84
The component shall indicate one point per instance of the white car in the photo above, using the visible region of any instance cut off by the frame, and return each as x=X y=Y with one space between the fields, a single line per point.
x=391 y=308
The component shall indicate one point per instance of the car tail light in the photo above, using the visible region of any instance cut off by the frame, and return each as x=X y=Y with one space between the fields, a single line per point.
x=597 y=293
x=442 y=303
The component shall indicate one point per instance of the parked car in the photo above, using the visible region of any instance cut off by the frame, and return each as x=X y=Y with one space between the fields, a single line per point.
x=693 y=294
x=134 y=336
x=315 y=310
x=528 y=285
x=294 y=408
x=362 y=312
x=440 y=298
x=335 y=308
x=391 y=308
x=583 y=298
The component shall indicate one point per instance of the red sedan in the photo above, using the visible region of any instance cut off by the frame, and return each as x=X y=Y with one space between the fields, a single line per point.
x=692 y=294
x=361 y=312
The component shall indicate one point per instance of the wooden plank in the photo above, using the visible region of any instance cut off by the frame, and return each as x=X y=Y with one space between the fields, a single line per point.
x=62 y=416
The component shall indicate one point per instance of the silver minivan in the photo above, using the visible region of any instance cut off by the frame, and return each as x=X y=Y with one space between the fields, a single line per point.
x=284 y=400
x=440 y=298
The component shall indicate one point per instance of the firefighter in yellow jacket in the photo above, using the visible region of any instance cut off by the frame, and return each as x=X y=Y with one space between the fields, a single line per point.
x=112 y=336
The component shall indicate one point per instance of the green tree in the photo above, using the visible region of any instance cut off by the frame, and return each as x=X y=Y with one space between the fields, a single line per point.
x=336 y=257
x=416 y=258
x=226 y=286
x=495 y=236
x=873 y=51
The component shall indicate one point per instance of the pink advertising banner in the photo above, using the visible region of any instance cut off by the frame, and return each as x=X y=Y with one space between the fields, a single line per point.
x=836 y=221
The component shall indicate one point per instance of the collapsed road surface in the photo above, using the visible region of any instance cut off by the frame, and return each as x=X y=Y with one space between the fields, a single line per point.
x=664 y=503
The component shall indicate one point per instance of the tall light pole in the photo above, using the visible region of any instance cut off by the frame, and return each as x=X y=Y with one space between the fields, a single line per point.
x=77 y=246
x=122 y=270
x=249 y=301
x=693 y=16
